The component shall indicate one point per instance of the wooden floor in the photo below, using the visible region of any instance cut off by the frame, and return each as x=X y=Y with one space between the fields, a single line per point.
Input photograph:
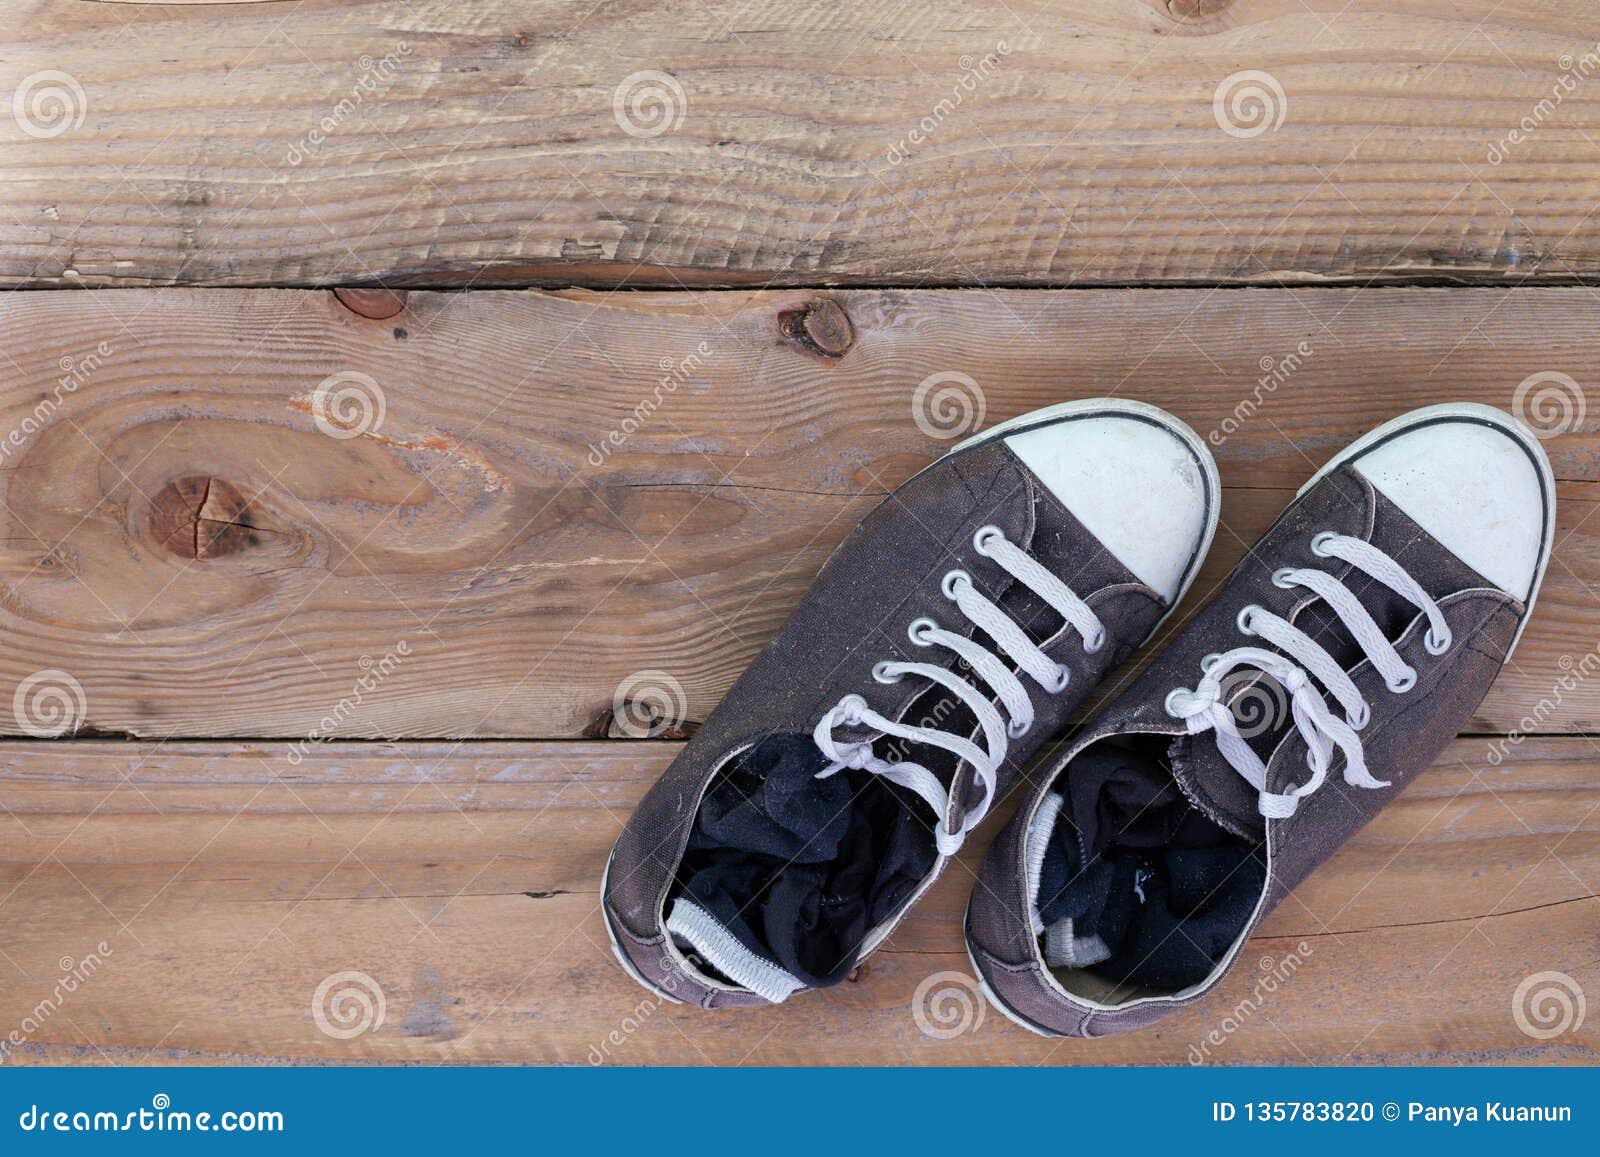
x=433 y=415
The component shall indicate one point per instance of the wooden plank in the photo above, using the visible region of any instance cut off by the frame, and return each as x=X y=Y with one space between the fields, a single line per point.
x=200 y=556
x=227 y=884
x=948 y=142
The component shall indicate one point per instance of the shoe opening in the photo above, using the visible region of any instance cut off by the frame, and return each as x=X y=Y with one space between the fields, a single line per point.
x=786 y=876
x=1137 y=893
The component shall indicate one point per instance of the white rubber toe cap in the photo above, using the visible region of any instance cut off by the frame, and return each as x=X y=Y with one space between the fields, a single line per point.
x=1139 y=481
x=1476 y=481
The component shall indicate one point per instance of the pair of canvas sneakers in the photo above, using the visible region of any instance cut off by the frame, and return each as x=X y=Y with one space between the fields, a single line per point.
x=951 y=636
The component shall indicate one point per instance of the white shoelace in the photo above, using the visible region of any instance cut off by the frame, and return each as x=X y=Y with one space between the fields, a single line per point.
x=1322 y=730
x=852 y=710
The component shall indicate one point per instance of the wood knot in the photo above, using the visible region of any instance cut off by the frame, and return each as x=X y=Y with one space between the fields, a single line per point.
x=378 y=304
x=1195 y=9
x=820 y=326
x=199 y=516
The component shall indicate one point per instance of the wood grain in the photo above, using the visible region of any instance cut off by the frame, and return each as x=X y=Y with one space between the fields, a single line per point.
x=200 y=557
x=226 y=884
x=1017 y=142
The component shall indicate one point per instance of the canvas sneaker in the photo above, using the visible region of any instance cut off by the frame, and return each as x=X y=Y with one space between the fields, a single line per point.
x=1348 y=647
x=950 y=634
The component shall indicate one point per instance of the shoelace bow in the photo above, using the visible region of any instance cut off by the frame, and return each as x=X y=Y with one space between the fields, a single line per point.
x=853 y=711
x=1202 y=709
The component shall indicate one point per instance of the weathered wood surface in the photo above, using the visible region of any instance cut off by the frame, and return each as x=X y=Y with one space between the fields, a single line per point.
x=949 y=142
x=228 y=884
x=204 y=548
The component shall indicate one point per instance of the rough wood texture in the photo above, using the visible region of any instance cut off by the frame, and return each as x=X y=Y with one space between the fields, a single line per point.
x=227 y=885
x=948 y=142
x=209 y=539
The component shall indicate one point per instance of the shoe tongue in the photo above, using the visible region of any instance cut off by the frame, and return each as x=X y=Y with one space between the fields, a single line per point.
x=1263 y=710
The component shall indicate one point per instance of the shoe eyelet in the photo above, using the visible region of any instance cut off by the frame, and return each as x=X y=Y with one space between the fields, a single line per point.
x=1405 y=682
x=1016 y=732
x=1063 y=677
x=1167 y=703
x=1094 y=644
x=880 y=672
x=1360 y=719
x=1319 y=544
x=984 y=536
x=850 y=709
x=1440 y=647
x=917 y=631
x=1246 y=616
x=947 y=584
x=1282 y=577
x=1210 y=661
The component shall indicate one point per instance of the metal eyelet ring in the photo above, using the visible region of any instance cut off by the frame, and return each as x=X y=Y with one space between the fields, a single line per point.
x=917 y=631
x=1361 y=718
x=1405 y=683
x=1167 y=704
x=851 y=706
x=1440 y=647
x=947 y=584
x=1210 y=661
x=1092 y=646
x=880 y=672
x=1282 y=577
x=1246 y=614
x=984 y=536
x=1063 y=677
x=1016 y=732
x=1319 y=544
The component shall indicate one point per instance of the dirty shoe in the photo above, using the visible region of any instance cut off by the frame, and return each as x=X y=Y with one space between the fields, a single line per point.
x=1344 y=652
x=946 y=639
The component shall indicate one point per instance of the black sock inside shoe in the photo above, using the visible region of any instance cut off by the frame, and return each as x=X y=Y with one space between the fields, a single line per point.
x=801 y=869
x=1138 y=885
